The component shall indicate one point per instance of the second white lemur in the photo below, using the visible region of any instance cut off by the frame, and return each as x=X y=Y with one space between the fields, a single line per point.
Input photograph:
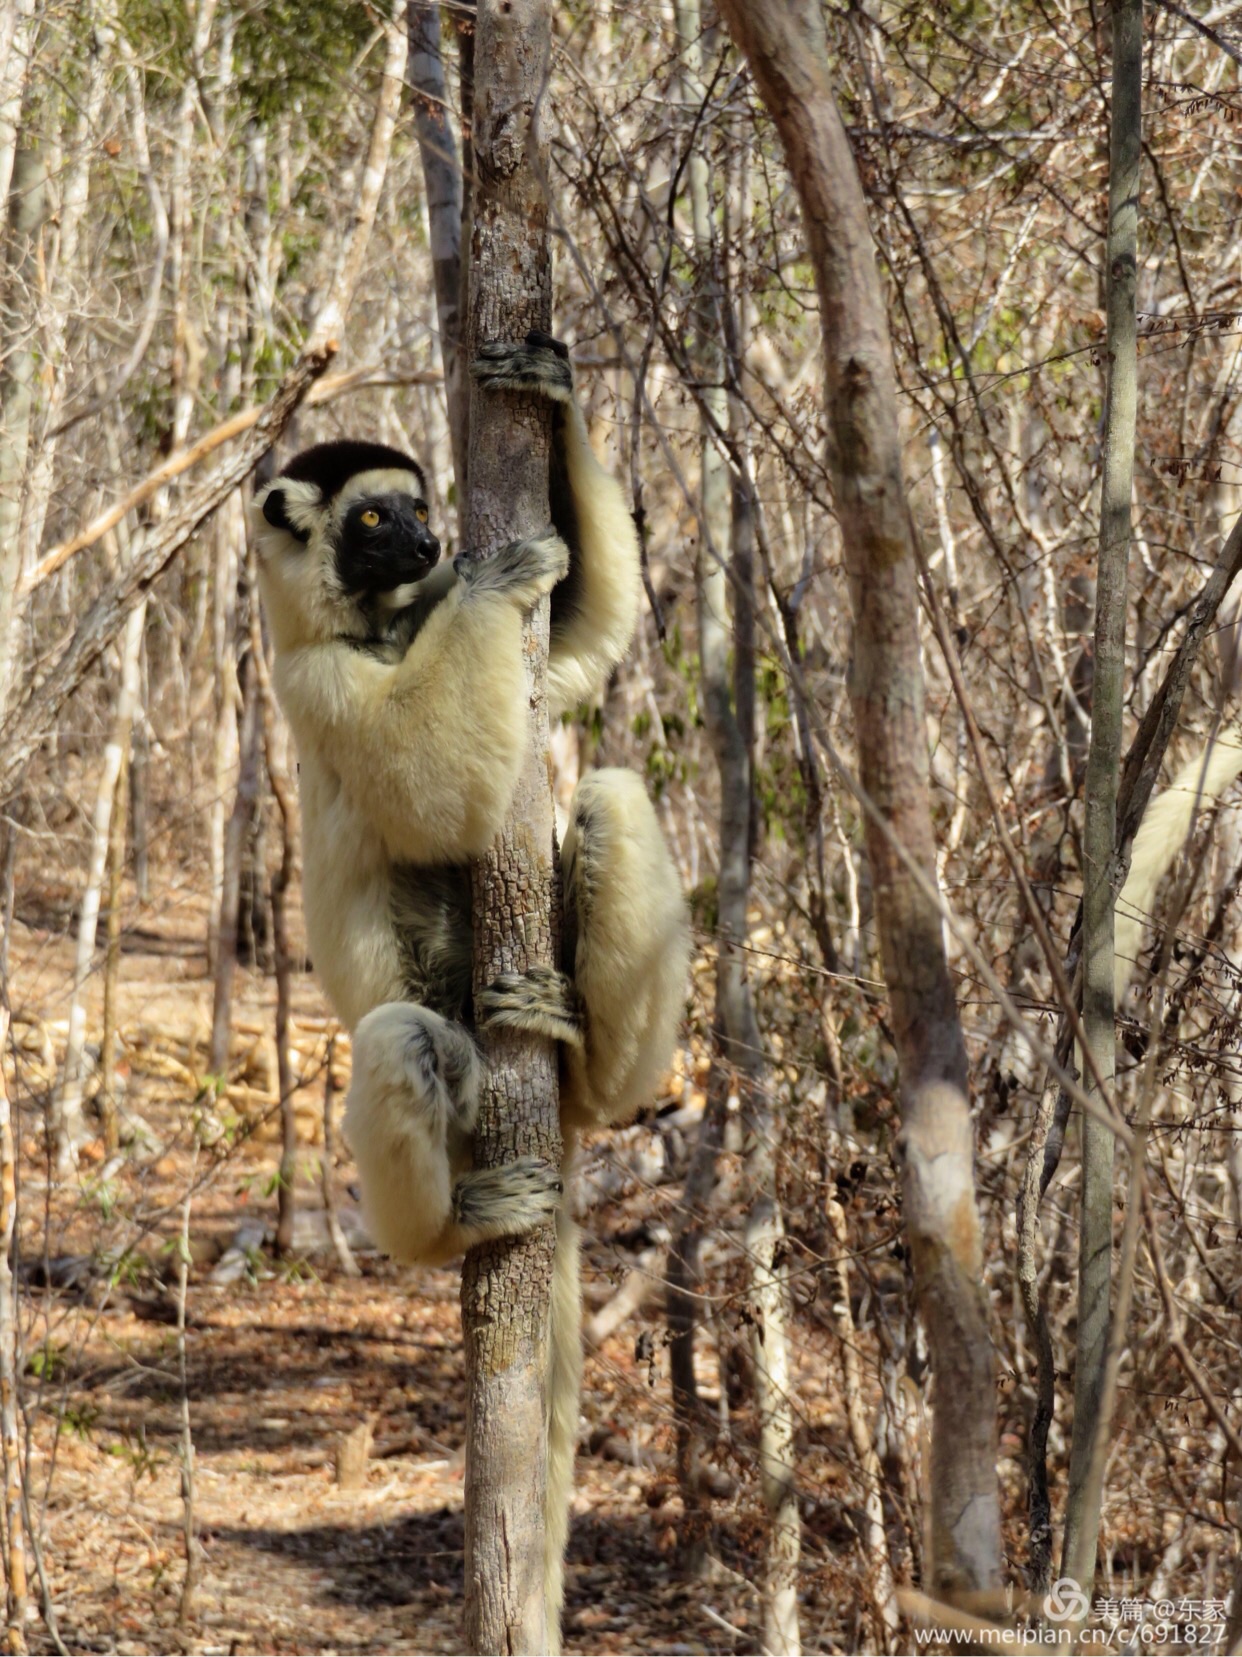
x=404 y=685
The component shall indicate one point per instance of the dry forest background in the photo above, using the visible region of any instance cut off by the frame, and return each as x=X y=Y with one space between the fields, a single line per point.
x=228 y=1423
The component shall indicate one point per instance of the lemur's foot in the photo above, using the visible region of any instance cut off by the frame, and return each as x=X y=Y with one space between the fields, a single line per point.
x=404 y=1048
x=503 y=1202
x=539 y=364
x=528 y=568
x=542 y=1000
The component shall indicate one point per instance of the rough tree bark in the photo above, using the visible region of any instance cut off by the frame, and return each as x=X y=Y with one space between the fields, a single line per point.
x=1082 y=1508
x=788 y=54
x=505 y=1287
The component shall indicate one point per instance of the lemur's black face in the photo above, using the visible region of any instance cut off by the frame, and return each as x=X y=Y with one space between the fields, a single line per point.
x=384 y=542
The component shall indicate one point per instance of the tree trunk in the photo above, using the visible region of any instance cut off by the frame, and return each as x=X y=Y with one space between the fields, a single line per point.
x=505 y=1286
x=1082 y=1508
x=683 y=1299
x=16 y=31
x=227 y=537
x=10 y=1413
x=286 y=1204
x=442 y=180
x=788 y=53
x=67 y=280
x=728 y=709
x=27 y=212
x=248 y=745
x=67 y=1125
x=107 y=1097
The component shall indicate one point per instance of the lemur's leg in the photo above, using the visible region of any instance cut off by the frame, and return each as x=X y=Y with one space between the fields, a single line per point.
x=413 y=1099
x=595 y=609
x=627 y=946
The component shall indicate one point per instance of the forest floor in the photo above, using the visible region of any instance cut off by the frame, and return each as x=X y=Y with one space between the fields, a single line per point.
x=283 y=1358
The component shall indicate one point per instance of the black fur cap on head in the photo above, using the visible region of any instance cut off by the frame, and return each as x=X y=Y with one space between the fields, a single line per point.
x=331 y=465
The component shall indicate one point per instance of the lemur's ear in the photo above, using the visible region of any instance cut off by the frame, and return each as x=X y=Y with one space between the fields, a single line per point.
x=277 y=514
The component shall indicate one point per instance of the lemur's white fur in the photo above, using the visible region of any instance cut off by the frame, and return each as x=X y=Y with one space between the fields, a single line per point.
x=1160 y=838
x=408 y=759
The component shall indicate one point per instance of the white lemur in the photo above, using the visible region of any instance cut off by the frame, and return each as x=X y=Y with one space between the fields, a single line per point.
x=404 y=684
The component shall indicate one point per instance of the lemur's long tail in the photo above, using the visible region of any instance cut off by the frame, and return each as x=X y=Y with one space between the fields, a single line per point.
x=1161 y=836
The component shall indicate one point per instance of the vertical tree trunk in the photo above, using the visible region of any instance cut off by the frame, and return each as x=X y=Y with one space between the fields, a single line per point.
x=286 y=1206
x=683 y=1297
x=67 y=1125
x=505 y=1287
x=66 y=282
x=1082 y=1509
x=785 y=43
x=112 y=961
x=139 y=783
x=437 y=149
x=16 y=30
x=728 y=709
x=352 y=252
x=248 y=744
x=26 y=214
x=10 y=1435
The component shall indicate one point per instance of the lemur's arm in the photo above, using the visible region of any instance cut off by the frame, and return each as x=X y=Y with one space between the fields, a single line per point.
x=432 y=744
x=595 y=609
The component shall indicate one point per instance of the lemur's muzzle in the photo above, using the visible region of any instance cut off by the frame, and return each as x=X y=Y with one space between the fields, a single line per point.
x=414 y=550
x=395 y=549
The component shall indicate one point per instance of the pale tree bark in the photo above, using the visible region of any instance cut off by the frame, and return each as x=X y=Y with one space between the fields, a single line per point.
x=10 y=1431
x=249 y=748
x=788 y=53
x=683 y=1299
x=108 y=1090
x=352 y=252
x=278 y=777
x=228 y=532
x=728 y=707
x=1082 y=1508
x=505 y=1286
x=66 y=283
x=437 y=149
x=68 y=1129
x=16 y=35
x=28 y=208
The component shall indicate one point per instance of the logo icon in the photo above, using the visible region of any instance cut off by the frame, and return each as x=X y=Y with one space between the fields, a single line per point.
x=1065 y=1601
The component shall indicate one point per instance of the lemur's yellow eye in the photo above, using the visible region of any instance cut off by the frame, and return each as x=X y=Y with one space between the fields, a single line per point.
x=420 y=512
x=370 y=517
